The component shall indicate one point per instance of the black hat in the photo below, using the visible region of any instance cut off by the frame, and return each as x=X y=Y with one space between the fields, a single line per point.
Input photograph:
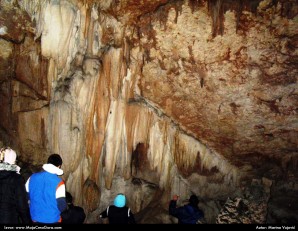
x=193 y=200
x=68 y=198
x=55 y=159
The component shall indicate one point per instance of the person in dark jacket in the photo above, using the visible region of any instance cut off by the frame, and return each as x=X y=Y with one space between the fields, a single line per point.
x=73 y=214
x=187 y=214
x=118 y=213
x=14 y=208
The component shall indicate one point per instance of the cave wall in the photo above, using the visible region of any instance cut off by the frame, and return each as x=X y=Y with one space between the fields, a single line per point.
x=151 y=99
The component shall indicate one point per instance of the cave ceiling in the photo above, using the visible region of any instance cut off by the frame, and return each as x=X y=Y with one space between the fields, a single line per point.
x=237 y=93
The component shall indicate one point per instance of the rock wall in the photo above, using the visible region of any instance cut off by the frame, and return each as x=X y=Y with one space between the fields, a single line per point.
x=151 y=99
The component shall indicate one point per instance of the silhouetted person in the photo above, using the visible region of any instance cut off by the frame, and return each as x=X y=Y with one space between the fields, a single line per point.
x=47 y=192
x=14 y=207
x=186 y=214
x=73 y=214
x=118 y=213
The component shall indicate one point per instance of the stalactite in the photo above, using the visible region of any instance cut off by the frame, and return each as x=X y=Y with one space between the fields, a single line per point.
x=161 y=13
x=127 y=48
x=147 y=30
x=217 y=9
x=288 y=9
x=195 y=4
x=162 y=16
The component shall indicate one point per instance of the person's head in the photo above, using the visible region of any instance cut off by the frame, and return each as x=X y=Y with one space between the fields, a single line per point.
x=193 y=200
x=10 y=156
x=120 y=200
x=68 y=198
x=55 y=160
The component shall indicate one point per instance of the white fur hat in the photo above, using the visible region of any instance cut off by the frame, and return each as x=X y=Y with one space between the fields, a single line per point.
x=10 y=156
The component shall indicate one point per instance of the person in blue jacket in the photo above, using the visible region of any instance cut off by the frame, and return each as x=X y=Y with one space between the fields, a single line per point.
x=186 y=214
x=47 y=192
